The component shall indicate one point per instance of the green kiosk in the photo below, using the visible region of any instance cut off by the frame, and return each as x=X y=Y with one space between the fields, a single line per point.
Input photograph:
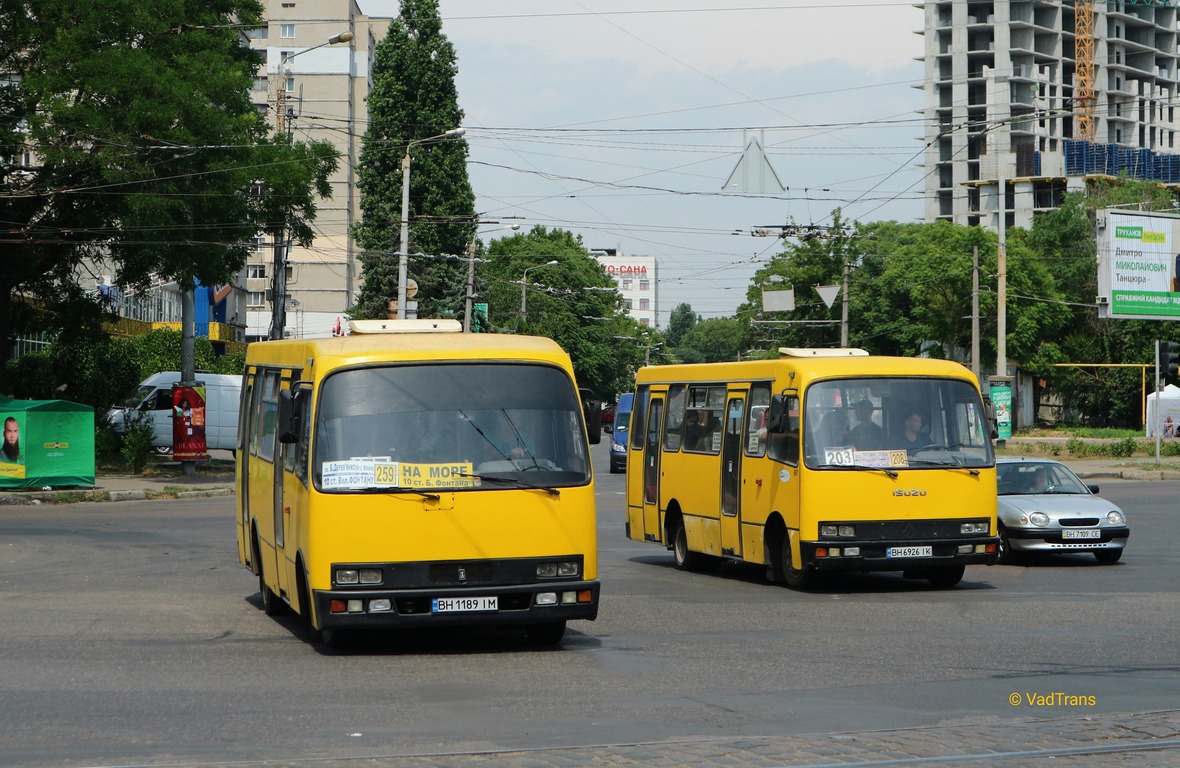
x=46 y=443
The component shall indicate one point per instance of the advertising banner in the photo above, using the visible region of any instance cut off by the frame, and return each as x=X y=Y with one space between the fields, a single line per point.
x=46 y=443
x=1002 y=400
x=188 y=423
x=1139 y=265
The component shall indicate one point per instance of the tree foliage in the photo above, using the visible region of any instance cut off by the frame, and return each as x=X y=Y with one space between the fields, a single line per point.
x=714 y=340
x=680 y=321
x=572 y=302
x=129 y=145
x=413 y=98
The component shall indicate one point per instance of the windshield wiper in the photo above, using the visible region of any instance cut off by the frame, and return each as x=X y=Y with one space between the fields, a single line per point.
x=510 y=481
x=858 y=468
x=392 y=489
x=955 y=462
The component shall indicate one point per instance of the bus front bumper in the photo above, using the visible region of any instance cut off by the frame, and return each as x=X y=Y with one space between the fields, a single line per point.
x=497 y=605
x=899 y=556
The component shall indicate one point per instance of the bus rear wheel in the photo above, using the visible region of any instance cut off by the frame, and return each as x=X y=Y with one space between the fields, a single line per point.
x=684 y=558
x=272 y=604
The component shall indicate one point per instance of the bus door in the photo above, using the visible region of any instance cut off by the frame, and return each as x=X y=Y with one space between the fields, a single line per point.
x=731 y=477
x=651 y=468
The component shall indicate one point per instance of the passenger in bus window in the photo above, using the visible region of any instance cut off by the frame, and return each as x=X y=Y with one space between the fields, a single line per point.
x=694 y=430
x=833 y=430
x=866 y=435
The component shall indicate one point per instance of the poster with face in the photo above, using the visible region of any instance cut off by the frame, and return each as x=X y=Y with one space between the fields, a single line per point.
x=12 y=452
x=188 y=423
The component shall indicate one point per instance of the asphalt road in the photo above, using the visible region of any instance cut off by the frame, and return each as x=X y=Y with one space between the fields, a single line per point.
x=132 y=637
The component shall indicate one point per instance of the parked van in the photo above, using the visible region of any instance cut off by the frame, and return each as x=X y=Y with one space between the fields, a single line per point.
x=618 y=440
x=154 y=398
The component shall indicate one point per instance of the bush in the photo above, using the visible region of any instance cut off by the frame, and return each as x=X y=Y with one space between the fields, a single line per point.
x=1123 y=448
x=108 y=444
x=137 y=443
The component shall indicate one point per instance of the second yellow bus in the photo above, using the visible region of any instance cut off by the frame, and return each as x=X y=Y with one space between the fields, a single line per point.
x=818 y=461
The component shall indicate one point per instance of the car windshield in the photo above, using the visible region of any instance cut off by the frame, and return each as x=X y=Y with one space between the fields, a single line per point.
x=450 y=427
x=1037 y=477
x=895 y=423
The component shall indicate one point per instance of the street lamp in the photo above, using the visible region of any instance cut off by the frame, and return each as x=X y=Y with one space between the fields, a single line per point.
x=524 y=283
x=282 y=123
x=404 y=252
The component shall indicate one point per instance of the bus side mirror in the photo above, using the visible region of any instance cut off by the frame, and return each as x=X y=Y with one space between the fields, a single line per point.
x=592 y=410
x=290 y=416
x=989 y=412
x=775 y=421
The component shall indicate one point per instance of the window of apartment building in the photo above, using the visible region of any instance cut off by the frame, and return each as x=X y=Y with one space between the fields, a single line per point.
x=258 y=33
x=256 y=299
x=645 y=303
x=255 y=270
x=643 y=285
x=261 y=83
x=290 y=85
x=288 y=5
x=626 y=283
x=627 y=304
x=286 y=30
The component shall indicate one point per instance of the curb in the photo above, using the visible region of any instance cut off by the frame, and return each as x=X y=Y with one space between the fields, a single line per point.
x=66 y=497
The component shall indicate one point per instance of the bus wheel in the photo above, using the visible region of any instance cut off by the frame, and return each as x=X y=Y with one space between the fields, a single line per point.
x=945 y=578
x=684 y=559
x=272 y=604
x=549 y=633
x=796 y=578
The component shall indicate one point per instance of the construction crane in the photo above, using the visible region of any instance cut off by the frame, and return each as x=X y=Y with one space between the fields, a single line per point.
x=1084 y=96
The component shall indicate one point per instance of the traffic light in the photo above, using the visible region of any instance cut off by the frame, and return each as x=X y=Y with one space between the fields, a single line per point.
x=1169 y=358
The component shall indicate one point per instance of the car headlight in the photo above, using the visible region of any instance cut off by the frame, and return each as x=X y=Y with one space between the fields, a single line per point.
x=617 y=447
x=1114 y=517
x=1039 y=519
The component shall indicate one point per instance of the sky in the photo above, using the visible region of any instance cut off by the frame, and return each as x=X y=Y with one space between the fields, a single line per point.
x=621 y=120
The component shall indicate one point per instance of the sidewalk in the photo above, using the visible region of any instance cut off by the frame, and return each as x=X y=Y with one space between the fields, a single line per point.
x=167 y=480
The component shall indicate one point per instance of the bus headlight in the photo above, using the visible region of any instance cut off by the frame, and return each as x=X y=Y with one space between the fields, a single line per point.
x=562 y=569
x=968 y=529
x=830 y=530
x=348 y=576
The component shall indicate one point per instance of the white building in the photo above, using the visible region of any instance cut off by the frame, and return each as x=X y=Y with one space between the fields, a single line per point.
x=638 y=281
x=1018 y=93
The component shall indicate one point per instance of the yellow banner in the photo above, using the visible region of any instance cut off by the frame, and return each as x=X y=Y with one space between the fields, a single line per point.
x=13 y=471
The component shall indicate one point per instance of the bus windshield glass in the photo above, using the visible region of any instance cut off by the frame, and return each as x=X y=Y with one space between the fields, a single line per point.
x=449 y=426
x=891 y=423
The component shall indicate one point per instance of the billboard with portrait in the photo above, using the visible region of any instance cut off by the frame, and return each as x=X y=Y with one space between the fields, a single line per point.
x=1138 y=265
x=46 y=443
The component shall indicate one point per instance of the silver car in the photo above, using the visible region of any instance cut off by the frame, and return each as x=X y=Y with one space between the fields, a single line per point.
x=1044 y=507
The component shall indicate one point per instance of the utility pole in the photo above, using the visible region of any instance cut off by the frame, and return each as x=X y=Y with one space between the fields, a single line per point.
x=975 y=367
x=469 y=304
x=188 y=365
x=844 y=307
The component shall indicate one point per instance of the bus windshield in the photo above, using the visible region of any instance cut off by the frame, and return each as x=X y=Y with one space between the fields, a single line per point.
x=449 y=426
x=895 y=422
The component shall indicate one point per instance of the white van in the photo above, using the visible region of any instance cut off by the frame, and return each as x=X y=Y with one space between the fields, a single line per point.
x=154 y=398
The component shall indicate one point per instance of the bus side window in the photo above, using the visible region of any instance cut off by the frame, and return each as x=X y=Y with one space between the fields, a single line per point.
x=784 y=429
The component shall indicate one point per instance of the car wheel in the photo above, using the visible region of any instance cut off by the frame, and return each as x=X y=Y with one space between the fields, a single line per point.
x=1008 y=556
x=945 y=578
x=1108 y=556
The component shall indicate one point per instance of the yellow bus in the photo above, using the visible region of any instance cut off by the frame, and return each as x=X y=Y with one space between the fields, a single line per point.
x=410 y=475
x=817 y=461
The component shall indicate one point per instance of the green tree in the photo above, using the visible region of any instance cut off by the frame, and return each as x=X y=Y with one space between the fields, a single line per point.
x=146 y=157
x=680 y=321
x=413 y=98
x=715 y=340
x=572 y=302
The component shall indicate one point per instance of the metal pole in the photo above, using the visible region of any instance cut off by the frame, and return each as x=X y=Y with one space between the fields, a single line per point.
x=404 y=246
x=975 y=366
x=844 y=308
x=469 y=304
x=278 y=291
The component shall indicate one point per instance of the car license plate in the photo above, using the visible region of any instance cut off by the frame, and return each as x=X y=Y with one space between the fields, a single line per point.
x=463 y=604
x=909 y=552
x=1092 y=533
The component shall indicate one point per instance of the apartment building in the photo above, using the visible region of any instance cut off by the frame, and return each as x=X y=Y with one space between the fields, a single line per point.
x=1033 y=97
x=637 y=279
x=314 y=86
